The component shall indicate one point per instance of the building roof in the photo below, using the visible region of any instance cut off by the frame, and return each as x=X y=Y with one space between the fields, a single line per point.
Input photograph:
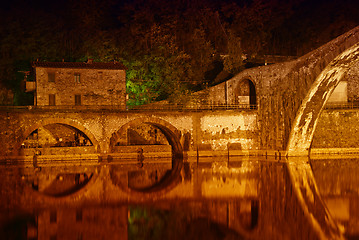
x=80 y=65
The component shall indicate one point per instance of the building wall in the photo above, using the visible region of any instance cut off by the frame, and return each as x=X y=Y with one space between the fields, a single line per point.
x=96 y=86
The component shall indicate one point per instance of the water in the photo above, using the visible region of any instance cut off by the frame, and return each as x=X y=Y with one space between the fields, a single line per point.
x=214 y=198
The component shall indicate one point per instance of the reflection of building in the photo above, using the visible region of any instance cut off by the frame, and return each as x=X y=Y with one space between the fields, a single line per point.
x=78 y=83
x=86 y=223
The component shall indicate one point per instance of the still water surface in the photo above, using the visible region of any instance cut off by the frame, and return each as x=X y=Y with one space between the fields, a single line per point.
x=214 y=198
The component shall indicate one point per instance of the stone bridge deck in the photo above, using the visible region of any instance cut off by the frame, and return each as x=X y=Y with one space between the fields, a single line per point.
x=186 y=131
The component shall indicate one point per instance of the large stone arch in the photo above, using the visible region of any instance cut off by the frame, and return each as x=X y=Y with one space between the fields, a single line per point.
x=308 y=114
x=172 y=134
x=48 y=121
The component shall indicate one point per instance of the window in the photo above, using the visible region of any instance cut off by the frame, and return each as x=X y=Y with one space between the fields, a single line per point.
x=77 y=78
x=51 y=77
x=52 y=100
x=79 y=215
x=100 y=75
x=53 y=217
x=77 y=99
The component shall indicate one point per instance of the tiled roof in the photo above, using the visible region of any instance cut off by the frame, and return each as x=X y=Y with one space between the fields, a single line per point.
x=79 y=65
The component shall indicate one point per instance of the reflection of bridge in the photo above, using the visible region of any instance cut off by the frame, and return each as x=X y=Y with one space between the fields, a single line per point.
x=252 y=197
x=244 y=197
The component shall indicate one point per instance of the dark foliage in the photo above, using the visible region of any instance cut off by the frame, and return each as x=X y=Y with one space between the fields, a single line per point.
x=170 y=47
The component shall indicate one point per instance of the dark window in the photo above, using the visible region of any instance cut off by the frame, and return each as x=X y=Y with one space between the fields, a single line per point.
x=79 y=236
x=77 y=99
x=51 y=77
x=246 y=94
x=100 y=75
x=52 y=100
x=77 y=78
x=79 y=215
x=53 y=217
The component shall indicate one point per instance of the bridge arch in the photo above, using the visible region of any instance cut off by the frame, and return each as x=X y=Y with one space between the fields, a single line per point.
x=169 y=180
x=48 y=121
x=172 y=134
x=308 y=114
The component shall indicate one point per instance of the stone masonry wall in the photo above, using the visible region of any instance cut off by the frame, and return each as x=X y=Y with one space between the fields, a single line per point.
x=96 y=86
x=353 y=84
x=281 y=88
x=337 y=129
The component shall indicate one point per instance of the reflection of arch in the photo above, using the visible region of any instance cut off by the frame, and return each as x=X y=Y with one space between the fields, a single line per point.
x=171 y=133
x=308 y=114
x=170 y=179
x=48 y=121
x=37 y=196
x=245 y=93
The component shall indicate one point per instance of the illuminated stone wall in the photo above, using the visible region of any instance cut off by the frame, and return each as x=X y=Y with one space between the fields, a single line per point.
x=236 y=129
x=337 y=129
x=353 y=84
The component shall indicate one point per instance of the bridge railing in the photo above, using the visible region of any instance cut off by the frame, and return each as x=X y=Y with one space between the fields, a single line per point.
x=163 y=107
x=199 y=107
x=342 y=105
x=149 y=107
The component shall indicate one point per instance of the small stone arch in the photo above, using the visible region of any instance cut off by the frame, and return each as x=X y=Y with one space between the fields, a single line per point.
x=171 y=179
x=303 y=128
x=172 y=134
x=245 y=93
x=48 y=121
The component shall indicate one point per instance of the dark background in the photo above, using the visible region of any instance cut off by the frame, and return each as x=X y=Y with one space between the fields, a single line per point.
x=171 y=48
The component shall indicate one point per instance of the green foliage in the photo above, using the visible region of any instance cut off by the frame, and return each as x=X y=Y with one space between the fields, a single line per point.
x=146 y=224
x=21 y=98
x=143 y=80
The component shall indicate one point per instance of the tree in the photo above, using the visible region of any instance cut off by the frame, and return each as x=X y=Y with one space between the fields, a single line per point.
x=233 y=62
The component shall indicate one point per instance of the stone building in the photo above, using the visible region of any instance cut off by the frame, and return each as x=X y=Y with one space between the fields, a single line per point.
x=79 y=83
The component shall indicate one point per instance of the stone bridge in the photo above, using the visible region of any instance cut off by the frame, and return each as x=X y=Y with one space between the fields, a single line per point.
x=289 y=98
x=186 y=131
x=291 y=95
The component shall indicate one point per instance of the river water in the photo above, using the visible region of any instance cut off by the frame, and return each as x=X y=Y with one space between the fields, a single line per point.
x=206 y=198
